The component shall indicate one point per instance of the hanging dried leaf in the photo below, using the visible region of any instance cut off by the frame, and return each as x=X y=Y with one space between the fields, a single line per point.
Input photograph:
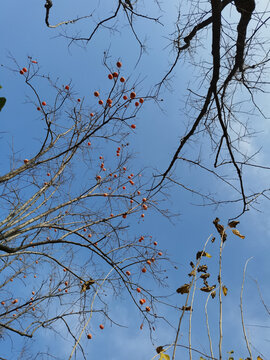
x=236 y=232
x=224 y=290
x=192 y=273
x=159 y=349
x=233 y=224
x=205 y=282
x=87 y=284
x=203 y=268
x=186 y=308
x=220 y=229
x=213 y=239
x=259 y=358
x=213 y=294
x=192 y=265
x=164 y=356
x=202 y=253
x=208 y=288
x=183 y=289
x=205 y=276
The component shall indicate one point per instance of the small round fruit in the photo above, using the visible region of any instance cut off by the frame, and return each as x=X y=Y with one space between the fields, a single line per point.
x=149 y=262
x=67 y=87
x=132 y=95
x=34 y=61
x=133 y=126
x=131 y=182
x=141 y=100
x=89 y=144
x=143 y=270
x=115 y=74
x=21 y=72
x=138 y=290
x=124 y=216
x=125 y=97
x=100 y=102
x=155 y=243
x=44 y=103
x=142 y=216
x=89 y=336
x=137 y=103
x=124 y=188
x=109 y=101
x=91 y=114
x=38 y=108
x=98 y=177
x=144 y=199
x=24 y=69
x=141 y=301
x=147 y=308
x=105 y=194
x=25 y=161
x=131 y=201
x=2 y=303
x=96 y=94
x=118 y=64
x=160 y=253
x=145 y=207
x=138 y=192
x=128 y=273
x=79 y=100
x=122 y=79
x=110 y=76
x=66 y=283
x=48 y=174
x=101 y=326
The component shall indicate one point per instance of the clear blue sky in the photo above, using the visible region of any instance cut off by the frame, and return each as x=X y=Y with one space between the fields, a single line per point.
x=157 y=136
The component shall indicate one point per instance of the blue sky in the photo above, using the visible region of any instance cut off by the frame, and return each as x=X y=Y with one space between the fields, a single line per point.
x=153 y=143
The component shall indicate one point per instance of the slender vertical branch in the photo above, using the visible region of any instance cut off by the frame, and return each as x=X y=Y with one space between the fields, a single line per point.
x=241 y=308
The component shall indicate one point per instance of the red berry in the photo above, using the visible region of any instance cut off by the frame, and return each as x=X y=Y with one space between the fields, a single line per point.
x=122 y=79
x=105 y=194
x=160 y=253
x=131 y=201
x=131 y=182
x=109 y=101
x=132 y=95
x=128 y=273
x=96 y=93
x=124 y=188
x=98 y=177
x=79 y=100
x=144 y=270
x=141 y=100
x=2 y=302
x=21 y=72
x=118 y=64
x=137 y=103
x=142 y=215
x=101 y=326
x=138 y=290
x=110 y=76
x=100 y=102
x=147 y=308
x=91 y=114
x=88 y=143
x=25 y=161
x=34 y=61
x=144 y=207
x=124 y=216
x=125 y=97
x=115 y=74
x=138 y=192
x=38 y=108
x=142 y=301
x=44 y=103
x=67 y=87
x=89 y=336
x=155 y=243
x=148 y=262
x=133 y=126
